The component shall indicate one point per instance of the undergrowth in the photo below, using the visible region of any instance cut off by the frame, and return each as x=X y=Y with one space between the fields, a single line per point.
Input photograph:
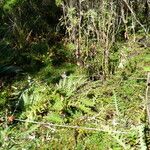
x=91 y=114
x=73 y=75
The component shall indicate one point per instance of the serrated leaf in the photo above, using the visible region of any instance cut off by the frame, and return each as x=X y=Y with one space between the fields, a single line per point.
x=85 y=109
x=54 y=117
x=58 y=105
x=87 y=102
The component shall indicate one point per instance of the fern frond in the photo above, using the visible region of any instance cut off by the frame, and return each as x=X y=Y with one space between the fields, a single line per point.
x=70 y=84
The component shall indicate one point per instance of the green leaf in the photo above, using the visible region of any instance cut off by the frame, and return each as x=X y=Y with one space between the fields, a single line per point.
x=87 y=102
x=54 y=117
x=58 y=2
x=9 y=4
x=85 y=109
x=58 y=105
x=146 y=68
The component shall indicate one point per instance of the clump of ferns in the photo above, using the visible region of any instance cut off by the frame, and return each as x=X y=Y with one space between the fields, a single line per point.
x=41 y=100
x=36 y=100
x=66 y=89
x=69 y=85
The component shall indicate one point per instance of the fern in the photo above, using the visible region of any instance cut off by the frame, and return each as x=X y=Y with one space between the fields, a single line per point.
x=85 y=105
x=54 y=117
x=70 y=84
x=36 y=100
x=58 y=106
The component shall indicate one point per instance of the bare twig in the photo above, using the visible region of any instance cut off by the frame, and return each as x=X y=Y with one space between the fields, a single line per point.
x=73 y=127
x=125 y=1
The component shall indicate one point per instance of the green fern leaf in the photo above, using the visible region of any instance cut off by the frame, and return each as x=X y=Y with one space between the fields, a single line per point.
x=54 y=117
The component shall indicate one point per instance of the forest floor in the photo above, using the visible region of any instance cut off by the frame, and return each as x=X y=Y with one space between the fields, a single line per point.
x=44 y=110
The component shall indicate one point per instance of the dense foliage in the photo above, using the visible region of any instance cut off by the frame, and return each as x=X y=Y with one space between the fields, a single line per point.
x=73 y=74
